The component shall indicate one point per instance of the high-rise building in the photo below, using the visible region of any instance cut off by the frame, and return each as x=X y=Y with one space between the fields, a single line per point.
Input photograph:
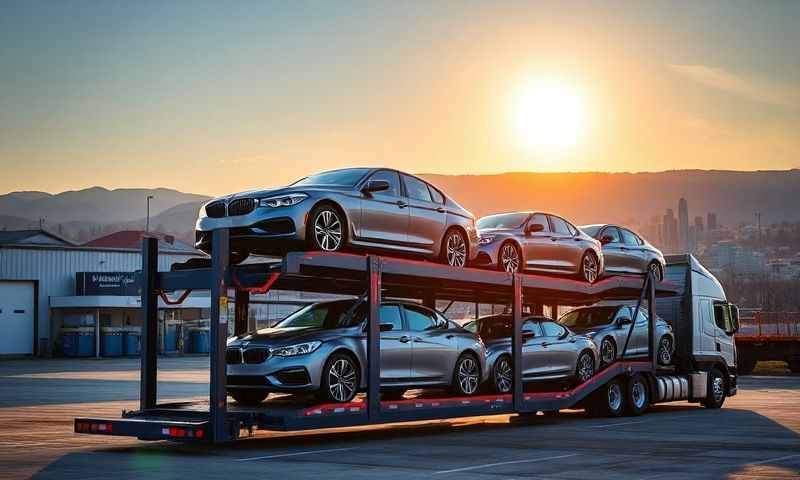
x=683 y=226
x=669 y=232
x=699 y=231
x=711 y=221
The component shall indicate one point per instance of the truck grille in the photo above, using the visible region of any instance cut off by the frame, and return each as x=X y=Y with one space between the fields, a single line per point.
x=233 y=356
x=215 y=210
x=255 y=355
x=241 y=206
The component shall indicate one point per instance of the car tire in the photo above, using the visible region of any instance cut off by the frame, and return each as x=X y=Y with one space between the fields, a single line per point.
x=637 y=396
x=656 y=268
x=340 y=379
x=665 y=350
x=510 y=258
x=503 y=375
x=715 y=396
x=327 y=229
x=590 y=267
x=608 y=352
x=466 y=376
x=455 y=249
x=607 y=401
x=248 y=396
x=585 y=367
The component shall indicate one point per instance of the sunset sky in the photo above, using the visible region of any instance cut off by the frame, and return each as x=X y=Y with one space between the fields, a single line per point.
x=213 y=99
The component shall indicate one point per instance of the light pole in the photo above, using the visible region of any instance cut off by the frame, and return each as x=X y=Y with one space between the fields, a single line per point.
x=147 y=224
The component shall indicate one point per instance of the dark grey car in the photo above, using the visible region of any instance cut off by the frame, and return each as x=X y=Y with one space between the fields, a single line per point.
x=550 y=352
x=364 y=208
x=627 y=252
x=608 y=327
x=322 y=348
x=538 y=241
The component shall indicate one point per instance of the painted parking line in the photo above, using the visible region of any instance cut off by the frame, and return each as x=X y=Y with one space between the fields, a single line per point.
x=293 y=454
x=775 y=460
x=617 y=424
x=498 y=464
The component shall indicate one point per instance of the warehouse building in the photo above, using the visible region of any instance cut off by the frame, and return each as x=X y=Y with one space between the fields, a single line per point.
x=49 y=285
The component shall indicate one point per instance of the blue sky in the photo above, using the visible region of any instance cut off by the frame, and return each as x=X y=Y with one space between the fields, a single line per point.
x=210 y=98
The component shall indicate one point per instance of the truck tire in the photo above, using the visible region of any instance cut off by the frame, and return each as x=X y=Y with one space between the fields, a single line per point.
x=716 y=389
x=608 y=400
x=746 y=363
x=637 y=396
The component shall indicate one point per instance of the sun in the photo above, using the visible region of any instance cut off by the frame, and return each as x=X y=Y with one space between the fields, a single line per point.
x=547 y=116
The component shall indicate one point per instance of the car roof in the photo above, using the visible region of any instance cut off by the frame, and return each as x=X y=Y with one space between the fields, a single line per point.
x=498 y=316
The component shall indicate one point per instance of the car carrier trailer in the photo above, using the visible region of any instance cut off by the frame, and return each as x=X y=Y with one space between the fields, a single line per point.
x=376 y=277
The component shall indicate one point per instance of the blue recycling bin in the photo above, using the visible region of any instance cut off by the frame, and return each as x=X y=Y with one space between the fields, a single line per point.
x=171 y=337
x=199 y=340
x=77 y=341
x=131 y=341
x=111 y=341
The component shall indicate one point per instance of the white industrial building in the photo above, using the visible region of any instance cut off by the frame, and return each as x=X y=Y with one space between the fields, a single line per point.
x=38 y=285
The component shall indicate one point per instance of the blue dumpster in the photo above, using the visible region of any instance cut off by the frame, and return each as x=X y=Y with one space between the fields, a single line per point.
x=77 y=341
x=111 y=341
x=171 y=337
x=131 y=343
x=198 y=340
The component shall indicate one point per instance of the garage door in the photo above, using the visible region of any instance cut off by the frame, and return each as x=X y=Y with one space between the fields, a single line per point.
x=16 y=318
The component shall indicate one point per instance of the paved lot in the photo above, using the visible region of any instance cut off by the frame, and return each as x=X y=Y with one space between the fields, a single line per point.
x=756 y=435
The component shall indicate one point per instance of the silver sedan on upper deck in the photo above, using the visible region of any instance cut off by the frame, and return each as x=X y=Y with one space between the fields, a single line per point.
x=364 y=208
x=627 y=252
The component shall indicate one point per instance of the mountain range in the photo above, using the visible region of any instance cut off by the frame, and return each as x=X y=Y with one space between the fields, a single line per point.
x=630 y=198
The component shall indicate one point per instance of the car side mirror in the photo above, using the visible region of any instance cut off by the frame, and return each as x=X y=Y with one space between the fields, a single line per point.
x=605 y=239
x=622 y=321
x=387 y=327
x=535 y=227
x=373 y=186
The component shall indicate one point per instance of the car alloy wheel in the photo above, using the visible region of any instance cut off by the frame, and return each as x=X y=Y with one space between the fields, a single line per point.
x=503 y=376
x=509 y=258
x=342 y=380
x=585 y=367
x=665 y=351
x=590 y=267
x=456 y=250
x=608 y=352
x=468 y=375
x=328 y=230
x=718 y=389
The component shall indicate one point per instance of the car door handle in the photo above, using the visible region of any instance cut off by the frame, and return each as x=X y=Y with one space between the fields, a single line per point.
x=402 y=204
x=449 y=336
x=554 y=239
x=404 y=339
x=545 y=344
x=440 y=209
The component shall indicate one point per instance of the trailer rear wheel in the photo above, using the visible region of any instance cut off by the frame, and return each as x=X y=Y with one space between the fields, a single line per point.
x=637 y=396
x=607 y=401
x=716 y=389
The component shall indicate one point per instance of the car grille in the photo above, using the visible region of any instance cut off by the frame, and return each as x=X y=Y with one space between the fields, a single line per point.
x=233 y=355
x=241 y=206
x=215 y=210
x=247 y=380
x=255 y=355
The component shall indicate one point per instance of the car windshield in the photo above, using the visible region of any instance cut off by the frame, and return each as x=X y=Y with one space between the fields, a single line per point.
x=491 y=328
x=503 y=221
x=591 y=230
x=588 y=317
x=346 y=177
x=326 y=315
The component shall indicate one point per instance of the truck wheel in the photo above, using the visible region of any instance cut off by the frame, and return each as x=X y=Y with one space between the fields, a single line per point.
x=248 y=396
x=715 y=396
x=608 y=401
x=637 y=396
x=745 y=364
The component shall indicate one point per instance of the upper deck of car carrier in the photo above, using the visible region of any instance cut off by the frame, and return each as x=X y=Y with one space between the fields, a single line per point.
x=372 y=277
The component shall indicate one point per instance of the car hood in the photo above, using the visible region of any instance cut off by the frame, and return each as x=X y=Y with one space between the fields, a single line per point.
x=505 y=232
x=273 y=192
x=286 y=336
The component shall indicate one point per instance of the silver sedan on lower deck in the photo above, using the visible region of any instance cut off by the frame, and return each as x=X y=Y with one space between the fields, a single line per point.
x=550 y=352
x=322 y=348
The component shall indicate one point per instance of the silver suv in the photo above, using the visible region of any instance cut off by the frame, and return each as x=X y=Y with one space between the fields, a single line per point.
x=322 y=348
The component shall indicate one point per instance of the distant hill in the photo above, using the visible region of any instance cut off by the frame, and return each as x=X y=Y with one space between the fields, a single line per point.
x=631 y=198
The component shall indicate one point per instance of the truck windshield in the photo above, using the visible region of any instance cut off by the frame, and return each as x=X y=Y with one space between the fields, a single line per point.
x=325 y=315
x=346 y=177
x=588 y=317
x=503 y=221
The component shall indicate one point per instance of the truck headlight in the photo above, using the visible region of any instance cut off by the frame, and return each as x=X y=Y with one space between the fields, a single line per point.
x=298 y=349
x=486 y=239
x=283 y=200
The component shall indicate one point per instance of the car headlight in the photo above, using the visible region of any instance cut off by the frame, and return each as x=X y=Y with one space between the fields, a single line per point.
x=202 y=212
x=486 y=239
x=283 y=200
x=590 y=334
x=292 y=350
